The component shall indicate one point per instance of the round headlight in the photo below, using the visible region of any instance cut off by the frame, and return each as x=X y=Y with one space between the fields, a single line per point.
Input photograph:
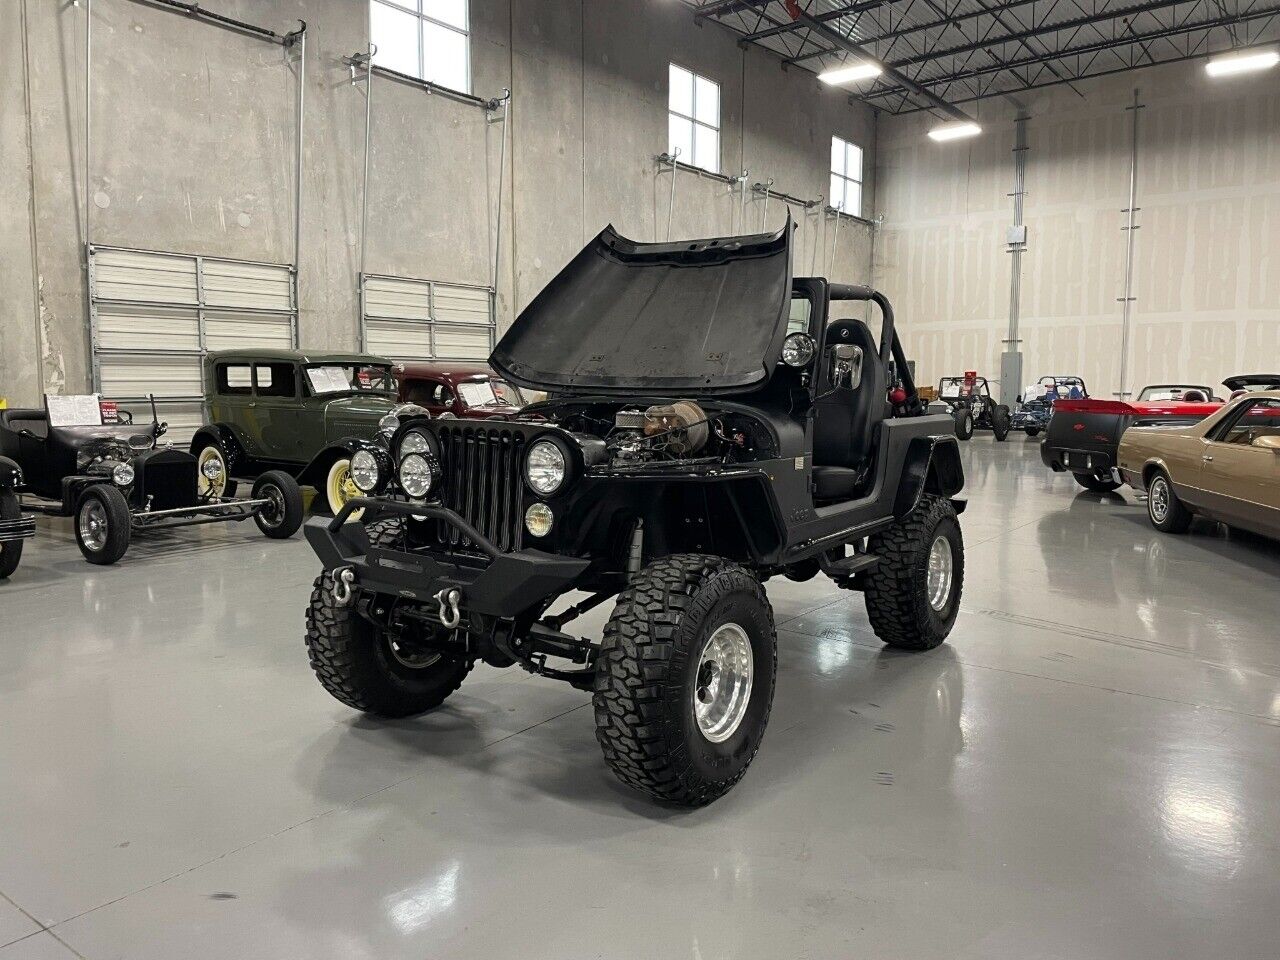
x=798 y=349
x=537 y=519
x=211 y=468
x=545 y=467
x=122 y=475
x=415 y=441
x=389 y=424
x=364 y=471
x=416 y=475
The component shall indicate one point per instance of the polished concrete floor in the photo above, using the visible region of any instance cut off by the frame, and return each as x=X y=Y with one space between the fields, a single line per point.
x=1087 y=769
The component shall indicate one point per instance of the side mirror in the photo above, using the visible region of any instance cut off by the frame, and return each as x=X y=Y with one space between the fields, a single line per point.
x=1269 y=442
x=845 y=366
x=161 y=429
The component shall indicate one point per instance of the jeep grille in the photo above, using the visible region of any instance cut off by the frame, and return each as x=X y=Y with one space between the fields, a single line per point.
x=482 y=483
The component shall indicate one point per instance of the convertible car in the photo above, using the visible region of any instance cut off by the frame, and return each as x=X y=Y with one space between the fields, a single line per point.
x=1083 y=435
x=1225 y=468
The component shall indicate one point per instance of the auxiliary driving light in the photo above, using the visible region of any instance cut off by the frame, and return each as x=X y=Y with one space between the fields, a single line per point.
x=416 y=476
x=364 y=471
x=537 y=519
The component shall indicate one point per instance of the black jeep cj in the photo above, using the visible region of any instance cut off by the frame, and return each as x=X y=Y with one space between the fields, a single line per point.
x=711 y=426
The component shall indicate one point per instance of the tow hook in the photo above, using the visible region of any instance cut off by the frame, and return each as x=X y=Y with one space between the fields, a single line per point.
x=449 y=614
x=343 y=579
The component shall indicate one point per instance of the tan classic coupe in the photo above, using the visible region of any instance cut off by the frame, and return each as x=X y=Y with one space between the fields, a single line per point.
x=1225 y=468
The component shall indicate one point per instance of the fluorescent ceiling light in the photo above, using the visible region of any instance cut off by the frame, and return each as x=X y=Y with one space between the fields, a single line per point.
x=955 y=131
x=856 y=71
x=1241 y=63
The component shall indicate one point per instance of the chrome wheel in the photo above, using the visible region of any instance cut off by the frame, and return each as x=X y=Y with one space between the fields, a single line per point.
x=722 y=683
x=1158 y=500
x=941 y=572
x=93 y=524
x=272 y=512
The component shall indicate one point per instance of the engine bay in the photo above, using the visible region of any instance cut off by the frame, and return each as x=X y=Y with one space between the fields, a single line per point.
x=621 y=435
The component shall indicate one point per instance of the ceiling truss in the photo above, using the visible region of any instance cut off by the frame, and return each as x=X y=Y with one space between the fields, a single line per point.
x=938 y=54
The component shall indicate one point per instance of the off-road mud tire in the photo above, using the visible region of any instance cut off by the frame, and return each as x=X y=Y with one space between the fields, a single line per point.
x=645 y=678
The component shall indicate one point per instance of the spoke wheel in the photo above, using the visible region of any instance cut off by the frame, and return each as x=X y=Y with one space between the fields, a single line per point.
x=339 y=488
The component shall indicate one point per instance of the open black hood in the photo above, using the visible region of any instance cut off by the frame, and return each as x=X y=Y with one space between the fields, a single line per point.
x=699 y=316
x=1245 y=380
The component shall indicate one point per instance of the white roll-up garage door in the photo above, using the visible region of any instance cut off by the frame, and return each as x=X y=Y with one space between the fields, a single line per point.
x=153 y=316
x=407 y=319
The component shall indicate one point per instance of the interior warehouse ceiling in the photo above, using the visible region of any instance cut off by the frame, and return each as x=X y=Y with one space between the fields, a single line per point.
x=937 y=54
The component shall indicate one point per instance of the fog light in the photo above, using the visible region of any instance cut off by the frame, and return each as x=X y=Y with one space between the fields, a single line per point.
x=537 y=519
x=122 y=475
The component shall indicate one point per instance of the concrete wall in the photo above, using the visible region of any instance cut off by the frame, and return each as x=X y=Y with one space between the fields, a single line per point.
x=193 y=138
x=1207 y=271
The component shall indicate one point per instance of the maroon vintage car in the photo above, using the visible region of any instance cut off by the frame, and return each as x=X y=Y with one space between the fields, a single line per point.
x=470 y=390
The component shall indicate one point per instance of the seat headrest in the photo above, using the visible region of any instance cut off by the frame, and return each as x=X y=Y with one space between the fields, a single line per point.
x=1194 y=396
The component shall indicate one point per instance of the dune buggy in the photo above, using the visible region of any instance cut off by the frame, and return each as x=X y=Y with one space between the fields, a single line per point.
x=973 y=407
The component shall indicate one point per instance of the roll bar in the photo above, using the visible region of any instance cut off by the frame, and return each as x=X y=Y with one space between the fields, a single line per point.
x=890 y=347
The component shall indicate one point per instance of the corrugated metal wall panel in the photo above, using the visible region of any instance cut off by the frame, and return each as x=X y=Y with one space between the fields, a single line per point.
x=223 y=332
x=168 y=377
x=399 y=340
x=462 y=304
x=257 y=286
x=177 y=307
x=393 y=298
x=456 y=341
x=152 y=277
x=407 y=319
x=125 y=327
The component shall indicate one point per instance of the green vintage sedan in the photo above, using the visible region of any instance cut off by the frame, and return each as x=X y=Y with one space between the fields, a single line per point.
x=302 y=411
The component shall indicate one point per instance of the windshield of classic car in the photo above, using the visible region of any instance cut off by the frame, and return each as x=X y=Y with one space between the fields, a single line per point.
x=349 y=378
x=1173 y=391
x=485 y=393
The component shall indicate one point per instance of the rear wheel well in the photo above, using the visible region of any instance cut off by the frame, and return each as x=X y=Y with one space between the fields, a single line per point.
x=1148 y=473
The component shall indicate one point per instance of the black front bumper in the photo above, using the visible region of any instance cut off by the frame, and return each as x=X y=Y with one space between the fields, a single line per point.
x=24 y=528
x=508 y=585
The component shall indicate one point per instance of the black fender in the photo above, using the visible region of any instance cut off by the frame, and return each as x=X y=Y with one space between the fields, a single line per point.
x=932 y=465
x=316 y=472
x=10 y=474
x=224 y=438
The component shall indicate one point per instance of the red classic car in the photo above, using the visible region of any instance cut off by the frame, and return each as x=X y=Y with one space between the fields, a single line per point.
x=470 y=390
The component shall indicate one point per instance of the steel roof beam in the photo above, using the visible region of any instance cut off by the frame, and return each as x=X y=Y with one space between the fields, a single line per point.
x=1083 y=50
x=839 y=40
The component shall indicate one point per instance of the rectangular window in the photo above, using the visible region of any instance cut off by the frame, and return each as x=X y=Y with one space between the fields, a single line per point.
x=846 y=177
x=1258 y=419
x=275 y=380
x=428 y=39
x=235 y=379
x=693 y=119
